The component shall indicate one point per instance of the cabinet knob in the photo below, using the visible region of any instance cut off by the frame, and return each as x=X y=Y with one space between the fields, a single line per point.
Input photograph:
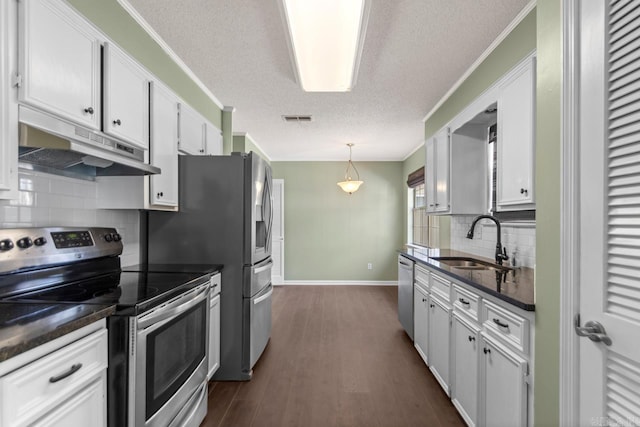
x=524 y=191
x=471 y=339
x=431 y=305
x=424 y=300
x=202 y=150
x=117 y=122
x=486 y=350
x=88 y=110
x=160 y=194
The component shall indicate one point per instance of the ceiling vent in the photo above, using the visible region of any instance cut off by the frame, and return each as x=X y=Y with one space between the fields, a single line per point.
x=298 y=119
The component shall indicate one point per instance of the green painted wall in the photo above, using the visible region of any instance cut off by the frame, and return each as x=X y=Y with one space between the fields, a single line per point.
x=243 y=144
x=516 y=46
x=330 y=235
x=114 y=21
x=548 y=155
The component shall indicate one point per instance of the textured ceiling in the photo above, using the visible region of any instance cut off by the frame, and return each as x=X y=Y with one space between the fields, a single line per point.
x=414 y=52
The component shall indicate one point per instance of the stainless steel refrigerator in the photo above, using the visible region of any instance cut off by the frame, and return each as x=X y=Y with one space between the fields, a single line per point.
x=225 y=217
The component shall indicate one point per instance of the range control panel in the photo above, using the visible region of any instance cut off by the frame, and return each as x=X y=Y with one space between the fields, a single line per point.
x=38 y=247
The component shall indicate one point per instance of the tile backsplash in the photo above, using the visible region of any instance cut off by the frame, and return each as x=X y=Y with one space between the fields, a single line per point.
x=52 y=200
x=518 y=237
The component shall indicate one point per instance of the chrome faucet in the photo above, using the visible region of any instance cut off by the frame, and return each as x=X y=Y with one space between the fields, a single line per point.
x=501 y=253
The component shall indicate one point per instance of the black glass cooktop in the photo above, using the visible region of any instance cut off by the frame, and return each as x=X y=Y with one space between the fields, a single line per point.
x=136 y=290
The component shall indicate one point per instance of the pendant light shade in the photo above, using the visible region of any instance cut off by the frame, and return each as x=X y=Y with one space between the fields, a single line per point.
x=348 y=185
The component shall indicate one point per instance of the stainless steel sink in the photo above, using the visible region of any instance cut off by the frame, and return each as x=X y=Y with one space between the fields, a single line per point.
x=464 y=263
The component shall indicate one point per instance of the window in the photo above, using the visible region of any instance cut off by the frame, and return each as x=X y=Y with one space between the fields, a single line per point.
x=420 y=219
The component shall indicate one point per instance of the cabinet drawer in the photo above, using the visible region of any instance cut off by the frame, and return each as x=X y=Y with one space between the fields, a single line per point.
x=465 y=302
x=36 y=388
x=441 y=287
x=421 y=276
x=506 y=326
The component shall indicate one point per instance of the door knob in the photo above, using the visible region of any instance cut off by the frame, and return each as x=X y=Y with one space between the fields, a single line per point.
x=592 y=330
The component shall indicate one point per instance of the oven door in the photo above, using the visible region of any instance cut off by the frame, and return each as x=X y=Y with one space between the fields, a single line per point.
x=170 y=358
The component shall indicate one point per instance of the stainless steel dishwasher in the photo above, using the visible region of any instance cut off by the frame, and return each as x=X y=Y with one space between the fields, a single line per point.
x=405 y=294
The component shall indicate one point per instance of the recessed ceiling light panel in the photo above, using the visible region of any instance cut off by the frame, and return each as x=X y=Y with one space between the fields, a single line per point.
x=326 y=41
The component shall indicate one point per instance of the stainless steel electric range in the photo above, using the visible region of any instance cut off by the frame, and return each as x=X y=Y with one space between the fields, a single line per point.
x=157 y=374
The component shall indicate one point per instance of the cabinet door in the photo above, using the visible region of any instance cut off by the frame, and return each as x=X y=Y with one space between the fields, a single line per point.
x=421 y=321
x=163 y=188
x=430 y=175
x=8 y=109
x=214 y=336
x=126 y=98
x=464 y=371
x=191 y=131
x=504 y=389
x=439 y=323
x=86 y=408
x=516 y=137
x=59 y=62
x=442 y=171
x=213 y=140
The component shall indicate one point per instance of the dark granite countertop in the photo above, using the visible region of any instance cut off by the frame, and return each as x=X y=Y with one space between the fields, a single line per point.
x=517 y=288
x=24 y=326
x=175 y=268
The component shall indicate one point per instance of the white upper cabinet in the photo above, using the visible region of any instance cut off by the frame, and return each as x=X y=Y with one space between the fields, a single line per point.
x=191 y=130
x=163 y=188
x=213 y=140
x=455 y=173
x=8 y=110
x=437 y=172
x=59 y=62
x=126 y=98
x=516 y=140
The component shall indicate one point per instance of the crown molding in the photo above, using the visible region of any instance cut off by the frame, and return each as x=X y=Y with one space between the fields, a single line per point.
x=165 y=47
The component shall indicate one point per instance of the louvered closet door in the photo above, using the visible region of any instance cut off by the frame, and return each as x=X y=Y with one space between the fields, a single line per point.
x=610 y=210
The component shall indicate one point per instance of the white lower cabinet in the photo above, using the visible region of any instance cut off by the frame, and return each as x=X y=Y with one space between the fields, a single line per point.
x=504 y=389
x=61 y=383
x=465 y=339
x=478 y=348
x=213 y=353
x=421 y=321
x=439 y=323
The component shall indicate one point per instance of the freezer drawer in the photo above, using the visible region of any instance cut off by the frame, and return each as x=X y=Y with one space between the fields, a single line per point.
x=256 y=277
x=260 y=323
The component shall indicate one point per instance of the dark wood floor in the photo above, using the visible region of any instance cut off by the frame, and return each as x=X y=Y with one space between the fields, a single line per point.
x=337 y=357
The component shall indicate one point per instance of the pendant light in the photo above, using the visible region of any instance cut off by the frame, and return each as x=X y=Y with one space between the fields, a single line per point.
x=348 y=185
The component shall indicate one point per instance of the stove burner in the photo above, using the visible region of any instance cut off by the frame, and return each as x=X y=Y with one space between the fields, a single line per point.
x=62 y=293
x=115 y=292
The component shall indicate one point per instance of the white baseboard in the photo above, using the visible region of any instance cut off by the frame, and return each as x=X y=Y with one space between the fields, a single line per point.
x=336 y=283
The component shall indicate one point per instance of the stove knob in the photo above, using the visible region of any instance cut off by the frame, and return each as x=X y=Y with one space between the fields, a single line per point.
x=117 y=237
x=108 y=237
x=6 y=245
x=40 y=241
x=25 y=243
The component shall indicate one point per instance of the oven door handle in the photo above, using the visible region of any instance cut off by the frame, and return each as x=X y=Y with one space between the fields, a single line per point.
x=171 y=311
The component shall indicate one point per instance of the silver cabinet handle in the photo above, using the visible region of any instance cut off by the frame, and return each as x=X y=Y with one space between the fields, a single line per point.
x=592 y=330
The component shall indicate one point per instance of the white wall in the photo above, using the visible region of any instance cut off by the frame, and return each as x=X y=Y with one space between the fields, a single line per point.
x=51 y=200
x=520 y=237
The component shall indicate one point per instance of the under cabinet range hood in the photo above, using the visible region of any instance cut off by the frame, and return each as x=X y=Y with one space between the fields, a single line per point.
x=51 y=144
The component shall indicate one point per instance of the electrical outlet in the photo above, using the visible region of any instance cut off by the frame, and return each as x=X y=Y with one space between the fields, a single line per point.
x=369 y=266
